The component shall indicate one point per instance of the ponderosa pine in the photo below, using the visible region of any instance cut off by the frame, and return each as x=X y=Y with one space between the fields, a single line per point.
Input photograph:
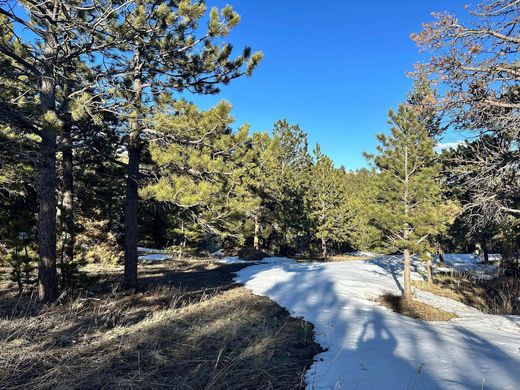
x=163 y=50
x=410 y=207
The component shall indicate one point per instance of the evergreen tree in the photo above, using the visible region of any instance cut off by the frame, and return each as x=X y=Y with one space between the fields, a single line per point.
x=422 y=99
x=38 y=63
x=410 y=205
x=475 y=60
x=288 y=172
x=360 y=199
x=326 y=201
x=162 y=50
x=201 y=169
x=260 y=184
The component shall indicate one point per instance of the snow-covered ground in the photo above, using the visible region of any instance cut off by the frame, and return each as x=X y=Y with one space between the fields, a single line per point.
x=371 y=347
x=155 y=257
x=361 y=254
x=469 y=264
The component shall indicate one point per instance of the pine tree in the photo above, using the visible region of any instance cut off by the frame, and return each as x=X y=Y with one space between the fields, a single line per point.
x=38 y=63
x=360 y=186
x=411 y=208
x=162 y=49
x=287 y=172
x=422 y=99
x=260 y=184
x=201 y=167
x=475 y=61
x=326 y=201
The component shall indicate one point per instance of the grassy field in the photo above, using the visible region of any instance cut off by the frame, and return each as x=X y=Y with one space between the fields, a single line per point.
x=495 y=296
x=191 y=327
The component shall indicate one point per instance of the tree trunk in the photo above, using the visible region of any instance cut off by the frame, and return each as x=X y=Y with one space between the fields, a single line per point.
x=131 y=205
x=485 y=250
x=17 y=271
x=429 y=271
x=407 y=288
x=47 y=278
x=256 y=239
x=67 y=211
x=324 y=253
x=441 y=255
x=132 y=183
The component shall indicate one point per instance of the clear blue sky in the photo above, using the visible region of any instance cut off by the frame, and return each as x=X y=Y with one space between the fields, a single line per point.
x=334 y=67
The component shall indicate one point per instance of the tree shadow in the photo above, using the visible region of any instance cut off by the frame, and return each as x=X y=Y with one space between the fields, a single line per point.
x=368 y=346
x=219 y=337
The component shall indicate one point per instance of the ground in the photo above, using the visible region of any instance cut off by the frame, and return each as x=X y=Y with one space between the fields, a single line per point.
x=371 y=347
x=190 y=328
x=193 y=327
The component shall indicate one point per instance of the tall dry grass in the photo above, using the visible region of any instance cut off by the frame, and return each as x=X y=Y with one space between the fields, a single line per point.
x=192 y=328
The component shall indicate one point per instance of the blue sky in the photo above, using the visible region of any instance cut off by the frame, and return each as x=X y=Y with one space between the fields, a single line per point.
x=334 y=67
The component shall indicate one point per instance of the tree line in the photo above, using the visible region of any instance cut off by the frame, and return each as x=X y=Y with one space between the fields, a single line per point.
x=99 y=153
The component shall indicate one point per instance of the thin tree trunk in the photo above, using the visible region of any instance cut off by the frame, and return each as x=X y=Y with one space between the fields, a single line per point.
x=407 y=288
x=132 y=184
x=429 y=271
x=485 y=250
x=18 y=270
x=256 y=239
x=47 y=277
x=441 y=255
x=67 y=211
x=131 y=218
x=324 y=253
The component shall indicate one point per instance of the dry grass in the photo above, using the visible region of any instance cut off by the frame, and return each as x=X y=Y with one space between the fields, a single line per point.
x=191 y=328
x=497 y=296
x=348 y=258
x=248 y=253
x=330 y=259
x=414 y=309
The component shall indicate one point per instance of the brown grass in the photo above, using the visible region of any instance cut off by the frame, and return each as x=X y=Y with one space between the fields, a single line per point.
x=248 y=253
x=496 y=296
x=191 y=328
x=348 y=258
x=330 y=259
x=414 y=309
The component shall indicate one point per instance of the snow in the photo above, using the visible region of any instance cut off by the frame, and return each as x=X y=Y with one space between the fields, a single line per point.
x=153 y=254
x=146 y=250
x=361 y=254
x=154 y=257
x=231 y=260
x=237 y=260
x=470 y=264
x=371 y=347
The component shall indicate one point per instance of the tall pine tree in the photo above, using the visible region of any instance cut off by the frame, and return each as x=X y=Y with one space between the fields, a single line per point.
x=163 y=49
x=410 y=206
x=326 y=200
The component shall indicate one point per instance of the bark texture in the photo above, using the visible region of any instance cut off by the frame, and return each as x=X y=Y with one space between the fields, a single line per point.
x=67 y=207
x=256 y=239
x=47 y=276
x=407 y=288
x=132 y=184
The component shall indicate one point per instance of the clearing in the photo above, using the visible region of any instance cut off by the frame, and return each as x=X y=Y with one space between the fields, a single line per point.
x=190 y=328
x=371 y=347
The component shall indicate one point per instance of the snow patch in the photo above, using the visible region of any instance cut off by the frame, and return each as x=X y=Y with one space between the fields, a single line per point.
x=362 y=254
x=155 y=257
x=371 y=347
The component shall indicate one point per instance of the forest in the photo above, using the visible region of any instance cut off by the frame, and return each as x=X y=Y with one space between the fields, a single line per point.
x=104 y=154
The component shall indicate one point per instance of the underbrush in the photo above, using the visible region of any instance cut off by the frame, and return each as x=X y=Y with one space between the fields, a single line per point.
x=190 y=328
x=414 y=309
x=495 y=296
x=248 y=253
